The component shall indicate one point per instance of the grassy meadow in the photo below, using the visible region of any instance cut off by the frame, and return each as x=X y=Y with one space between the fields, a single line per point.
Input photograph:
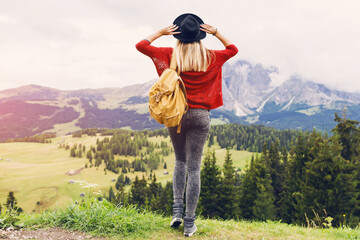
x=35 y=172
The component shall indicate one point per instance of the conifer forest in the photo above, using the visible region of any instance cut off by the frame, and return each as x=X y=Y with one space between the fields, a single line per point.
x=297 y=177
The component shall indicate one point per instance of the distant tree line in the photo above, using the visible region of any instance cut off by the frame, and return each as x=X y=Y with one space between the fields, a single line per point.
x=89 y=131
x=41 y=138
x=250 y=138
x=109 y=132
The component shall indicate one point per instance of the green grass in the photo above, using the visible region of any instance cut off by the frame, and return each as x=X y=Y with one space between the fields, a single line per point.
x=98 y=217
x=36 y=172
x=218 y=121
x=101 y=218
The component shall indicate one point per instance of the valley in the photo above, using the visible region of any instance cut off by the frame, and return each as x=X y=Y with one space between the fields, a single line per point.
x=36 y=172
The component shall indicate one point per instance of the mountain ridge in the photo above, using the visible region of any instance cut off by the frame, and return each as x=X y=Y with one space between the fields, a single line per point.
x=249 y=96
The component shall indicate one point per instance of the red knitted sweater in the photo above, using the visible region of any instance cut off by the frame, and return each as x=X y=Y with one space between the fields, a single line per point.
x=203 y=88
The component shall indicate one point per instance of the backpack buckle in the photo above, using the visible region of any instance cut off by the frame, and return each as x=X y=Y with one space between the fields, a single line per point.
x=158 y=96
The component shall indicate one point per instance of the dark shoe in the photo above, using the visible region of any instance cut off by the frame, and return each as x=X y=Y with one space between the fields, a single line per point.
x=178 y=210
x=189 y=226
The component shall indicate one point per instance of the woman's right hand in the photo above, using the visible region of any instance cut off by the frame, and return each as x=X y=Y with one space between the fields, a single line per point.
x=212 y=30
x=208 y=29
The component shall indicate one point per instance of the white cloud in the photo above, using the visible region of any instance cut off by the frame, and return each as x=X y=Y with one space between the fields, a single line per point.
x=6 y=20
x=77 y=44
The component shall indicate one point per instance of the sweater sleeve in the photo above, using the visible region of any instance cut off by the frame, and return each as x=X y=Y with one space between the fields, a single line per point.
x=146 y=48
x=223 y=55
x=159 y=55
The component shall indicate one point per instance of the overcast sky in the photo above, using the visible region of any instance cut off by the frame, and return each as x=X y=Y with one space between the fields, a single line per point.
x=74 y=44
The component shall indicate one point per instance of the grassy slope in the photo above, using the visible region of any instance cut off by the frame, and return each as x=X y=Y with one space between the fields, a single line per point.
x=102 y=218
x=36 y=171
x=214 y=229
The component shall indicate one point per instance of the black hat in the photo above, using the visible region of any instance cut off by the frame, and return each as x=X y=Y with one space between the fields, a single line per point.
x=189 y=27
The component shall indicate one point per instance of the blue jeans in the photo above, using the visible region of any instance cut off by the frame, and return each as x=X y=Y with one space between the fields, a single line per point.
x=188 y=146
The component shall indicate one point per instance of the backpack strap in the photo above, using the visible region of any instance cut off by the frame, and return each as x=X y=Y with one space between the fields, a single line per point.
x=173 y=64
x=182 y=86
x=179 y=127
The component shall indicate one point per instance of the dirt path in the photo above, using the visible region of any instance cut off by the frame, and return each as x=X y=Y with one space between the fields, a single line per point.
x=45 y=234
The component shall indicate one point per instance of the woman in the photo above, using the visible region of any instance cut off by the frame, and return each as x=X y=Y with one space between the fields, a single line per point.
x=200 y=70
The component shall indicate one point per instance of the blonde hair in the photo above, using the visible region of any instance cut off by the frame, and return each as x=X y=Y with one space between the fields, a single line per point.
x=192 y=56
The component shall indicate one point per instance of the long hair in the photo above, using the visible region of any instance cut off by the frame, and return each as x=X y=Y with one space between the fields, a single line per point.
x=192 y=56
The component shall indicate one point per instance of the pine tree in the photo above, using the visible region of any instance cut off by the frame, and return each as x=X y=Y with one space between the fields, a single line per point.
x=121 y=198
x=72 y=152
x=277 y=172
x=238 y=180
x=154 y=187
x=264 y=208
x=89 y=156
x=120 y=182
x=154 y=192
x=356 y=174
x=349 y=137
x=285 y=203
x=211 y=140
x=292 y=199
x=10 y=201
x=111 y=195
x=210 y=184
x=255 y=188
x=166 y=199
x=127 y=180
x=248 y=191
x=138 y=192
x=284 y=157
x=228 y=197
x=264 y=203
x=329 y=183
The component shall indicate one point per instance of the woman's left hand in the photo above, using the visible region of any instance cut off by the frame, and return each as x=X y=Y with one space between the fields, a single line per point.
x=170 y=30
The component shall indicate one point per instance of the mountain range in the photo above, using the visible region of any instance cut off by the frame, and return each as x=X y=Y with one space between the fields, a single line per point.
x=249 y=94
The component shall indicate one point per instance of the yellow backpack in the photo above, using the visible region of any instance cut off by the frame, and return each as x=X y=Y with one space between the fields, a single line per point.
x=167 y=98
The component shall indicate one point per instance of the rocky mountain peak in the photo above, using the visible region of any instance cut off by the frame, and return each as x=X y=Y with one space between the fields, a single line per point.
x=259 y=76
